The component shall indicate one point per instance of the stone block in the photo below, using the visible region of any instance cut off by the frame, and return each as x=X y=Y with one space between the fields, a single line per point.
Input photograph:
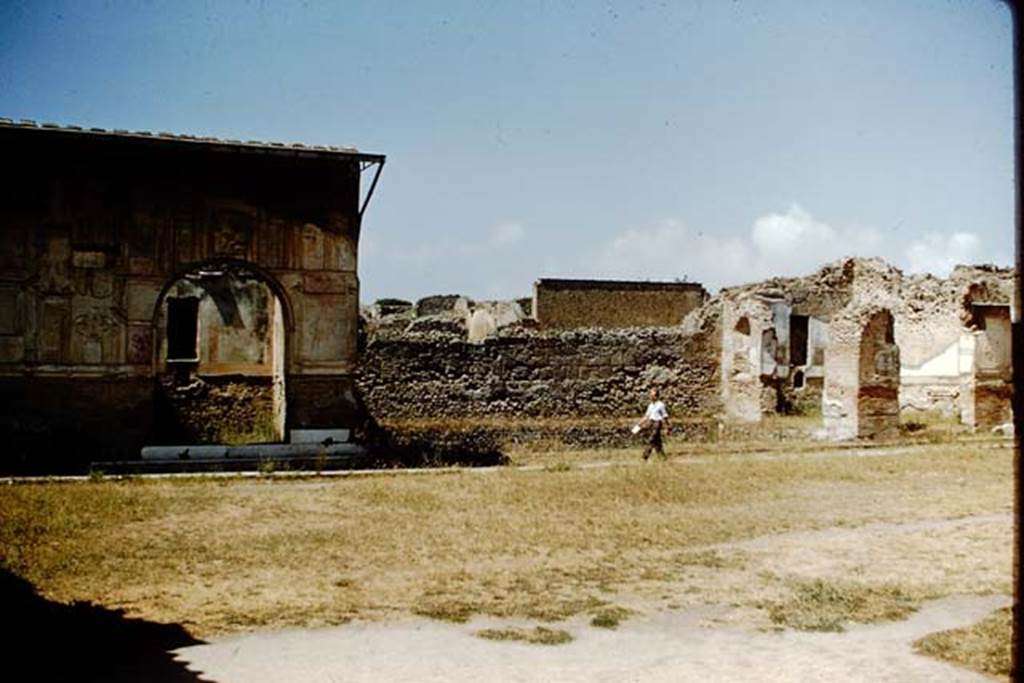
x=319 y=435
x=140 y=345
x=141 y=265
x=54 y=322
x=102 y=284
x=326 y=328
x=312 y=247
x=88 y=259
x=12 y=349
x=339 y=253
x=328 y=283
x=140 y=300
x=10 y=310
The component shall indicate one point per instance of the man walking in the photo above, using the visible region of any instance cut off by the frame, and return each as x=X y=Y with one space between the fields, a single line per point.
x=657 y=417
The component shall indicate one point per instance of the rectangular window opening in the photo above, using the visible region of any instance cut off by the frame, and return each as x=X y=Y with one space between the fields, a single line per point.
x=182 y=329
x=798 y=340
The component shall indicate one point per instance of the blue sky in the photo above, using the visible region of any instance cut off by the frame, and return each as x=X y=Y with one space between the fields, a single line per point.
x=717 y=141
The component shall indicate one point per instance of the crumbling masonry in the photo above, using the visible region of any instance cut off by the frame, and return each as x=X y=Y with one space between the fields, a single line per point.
x=172 y=289
x=857 y=341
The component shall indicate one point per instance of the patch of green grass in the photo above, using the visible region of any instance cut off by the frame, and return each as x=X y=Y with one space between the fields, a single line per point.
x=820 y=605
x=262 y=431
x=558 y=467
x=711 y=559
x=456 y=613
x=610 y=617
x=536 y=636
x=984 y=647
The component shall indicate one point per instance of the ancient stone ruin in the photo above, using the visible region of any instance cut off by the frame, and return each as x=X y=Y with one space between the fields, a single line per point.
x=862 y=375
x=160 y=289
x=436 y=365
x=171 y=289
x=857 y=342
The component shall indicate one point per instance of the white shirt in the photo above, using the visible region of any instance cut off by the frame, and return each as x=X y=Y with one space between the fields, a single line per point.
x=656 y=412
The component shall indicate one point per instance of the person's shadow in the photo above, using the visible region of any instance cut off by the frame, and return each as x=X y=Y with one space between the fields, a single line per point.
x=49 y=641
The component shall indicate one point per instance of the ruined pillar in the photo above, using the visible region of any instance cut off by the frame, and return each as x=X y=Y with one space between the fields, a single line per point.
x=862 y=370
x=987 y=389
x=742 y=326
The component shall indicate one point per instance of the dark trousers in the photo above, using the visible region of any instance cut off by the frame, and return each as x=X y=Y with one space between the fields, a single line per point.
x=654 y=444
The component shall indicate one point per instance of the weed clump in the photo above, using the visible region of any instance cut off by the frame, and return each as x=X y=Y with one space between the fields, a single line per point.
x=535 y=636
x=455 y=613
x=610 y=617
x=984 y=647
x=820 y=605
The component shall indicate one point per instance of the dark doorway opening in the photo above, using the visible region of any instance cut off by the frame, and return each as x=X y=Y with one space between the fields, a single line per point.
x=182 y=329
x=798 y=340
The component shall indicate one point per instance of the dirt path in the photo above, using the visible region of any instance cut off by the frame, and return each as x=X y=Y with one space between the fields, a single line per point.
x=670 y=646
x=711 y=643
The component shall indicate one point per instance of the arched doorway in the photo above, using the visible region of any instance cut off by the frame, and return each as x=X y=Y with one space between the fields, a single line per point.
x=878 y=406
x=220 y=356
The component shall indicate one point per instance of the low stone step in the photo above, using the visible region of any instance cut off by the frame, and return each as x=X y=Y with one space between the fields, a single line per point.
x=324 y=436
x=274 y=450
x=234 y=464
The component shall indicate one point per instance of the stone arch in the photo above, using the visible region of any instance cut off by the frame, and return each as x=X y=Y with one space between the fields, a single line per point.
x=878 y=407
x=227 y=382
x=862 y=375
x=183 y=269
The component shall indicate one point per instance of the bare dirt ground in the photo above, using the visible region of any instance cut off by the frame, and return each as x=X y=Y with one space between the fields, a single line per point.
x=815 y=565
x=711 y=643
x=672 y=646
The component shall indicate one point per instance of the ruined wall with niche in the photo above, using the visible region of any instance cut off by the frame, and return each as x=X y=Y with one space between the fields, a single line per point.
x=96 y=228
x=746 y=322
x=932 y=324
x=226 y=383
x=938 y=333
x=779 y=366
x=861 y=392
x=988 y=390
x=570 y=304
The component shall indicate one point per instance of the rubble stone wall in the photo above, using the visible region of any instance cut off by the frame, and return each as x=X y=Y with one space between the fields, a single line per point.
x=524 y=373
x=218 y=409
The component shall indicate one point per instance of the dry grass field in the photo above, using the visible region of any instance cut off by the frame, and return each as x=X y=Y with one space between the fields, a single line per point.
x=789 y=538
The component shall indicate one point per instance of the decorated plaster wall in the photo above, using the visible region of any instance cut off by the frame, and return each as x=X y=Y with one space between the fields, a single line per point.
x=95 y=233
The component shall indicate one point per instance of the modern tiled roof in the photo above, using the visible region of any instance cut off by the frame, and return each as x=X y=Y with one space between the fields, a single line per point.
x=294 y=148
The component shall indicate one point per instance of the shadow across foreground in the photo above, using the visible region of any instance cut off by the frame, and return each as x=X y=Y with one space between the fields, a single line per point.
x=49 y=641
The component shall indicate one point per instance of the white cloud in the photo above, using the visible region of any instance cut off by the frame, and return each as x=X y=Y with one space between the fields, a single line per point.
x=937 y=254
x=670 y=250
x=786 y=243
x=782 y=243
x=499 y=261
x=786 y=233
